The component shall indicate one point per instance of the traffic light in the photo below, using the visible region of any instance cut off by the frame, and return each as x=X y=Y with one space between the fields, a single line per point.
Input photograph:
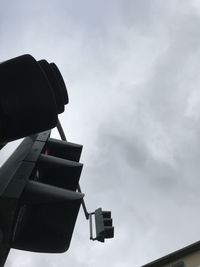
x=39 y=203
x=40 y=195
x=104 y=228
x=32 y=95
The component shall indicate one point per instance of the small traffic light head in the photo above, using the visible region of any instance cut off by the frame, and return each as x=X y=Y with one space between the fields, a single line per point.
x=104 y=228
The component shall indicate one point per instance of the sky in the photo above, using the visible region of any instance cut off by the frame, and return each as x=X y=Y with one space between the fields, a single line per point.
x=132 y=72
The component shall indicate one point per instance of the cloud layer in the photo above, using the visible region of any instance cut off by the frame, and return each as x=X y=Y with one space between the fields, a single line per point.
x=132 y=71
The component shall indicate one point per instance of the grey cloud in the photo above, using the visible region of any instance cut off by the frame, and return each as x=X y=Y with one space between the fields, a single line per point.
x=165 y=186
x=132 y=72
x=167 y=93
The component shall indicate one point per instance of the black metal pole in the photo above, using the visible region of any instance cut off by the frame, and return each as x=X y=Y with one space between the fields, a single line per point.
x=61 y=131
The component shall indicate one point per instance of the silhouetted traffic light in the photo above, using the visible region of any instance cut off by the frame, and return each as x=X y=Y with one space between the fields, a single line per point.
x=39 y=204
x=103 y=222
x=40 y=195
x=32 y=95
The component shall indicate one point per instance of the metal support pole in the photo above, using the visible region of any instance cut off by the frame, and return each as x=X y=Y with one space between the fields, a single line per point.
x=83 y=205
x=61 y=131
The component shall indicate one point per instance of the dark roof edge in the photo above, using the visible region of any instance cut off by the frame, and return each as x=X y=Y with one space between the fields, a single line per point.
x=174 y=255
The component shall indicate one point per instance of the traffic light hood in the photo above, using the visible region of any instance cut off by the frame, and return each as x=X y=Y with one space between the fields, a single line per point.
x=32 y=95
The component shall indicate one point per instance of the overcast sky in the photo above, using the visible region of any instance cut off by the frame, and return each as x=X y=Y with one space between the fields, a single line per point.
x=132 y=72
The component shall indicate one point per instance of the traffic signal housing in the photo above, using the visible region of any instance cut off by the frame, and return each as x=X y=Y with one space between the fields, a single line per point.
x=39 y=202
x=103 y=222
x=32 y=95
x=103 y=225
x=40 y=195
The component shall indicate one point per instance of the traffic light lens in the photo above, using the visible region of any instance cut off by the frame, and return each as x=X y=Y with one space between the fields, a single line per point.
x=106 y=214
x=109 y=232
x=107 y=222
